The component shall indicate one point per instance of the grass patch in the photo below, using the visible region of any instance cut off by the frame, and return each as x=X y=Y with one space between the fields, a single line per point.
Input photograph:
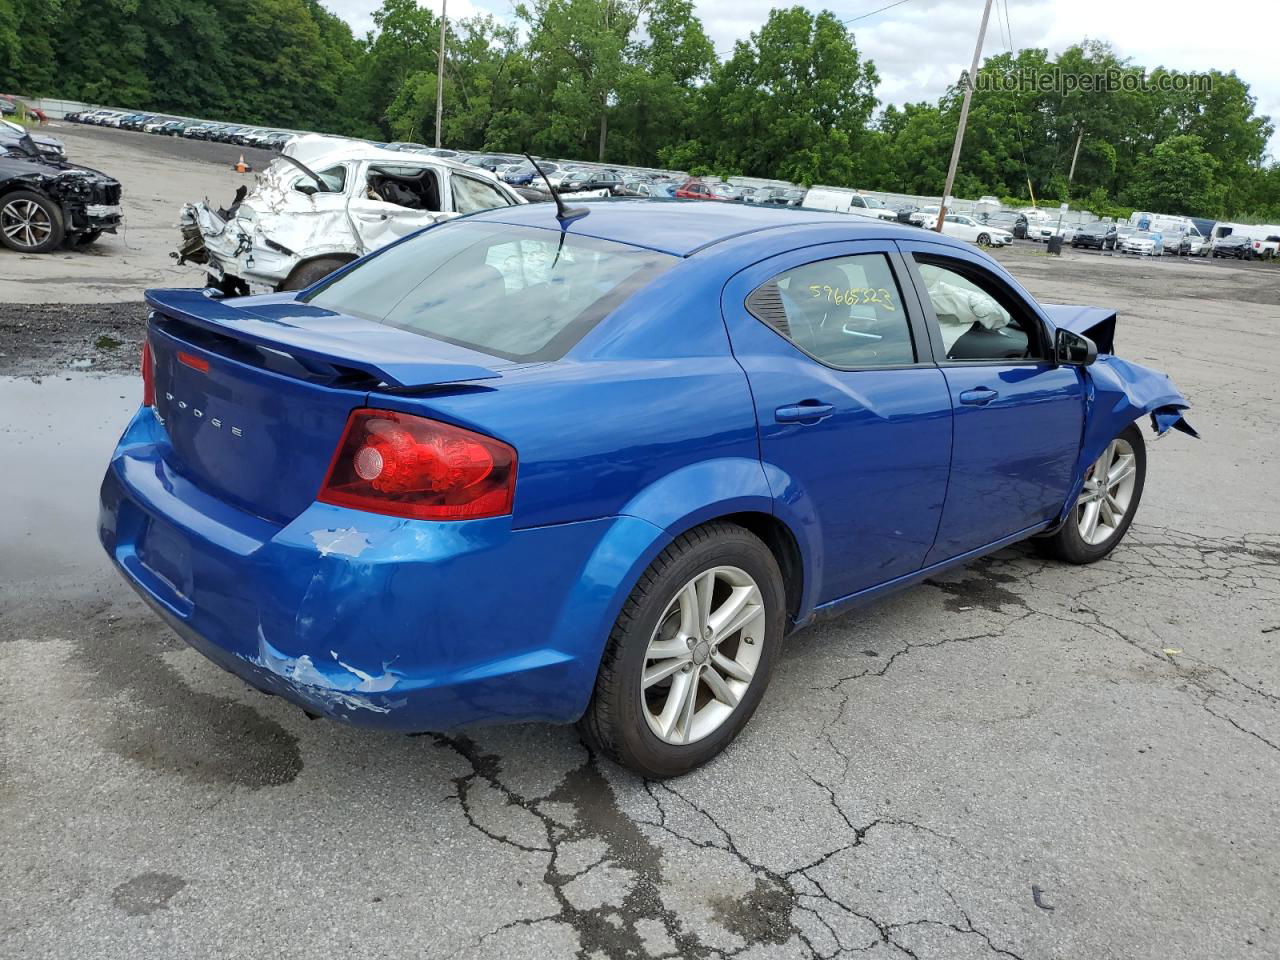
x=107 y=342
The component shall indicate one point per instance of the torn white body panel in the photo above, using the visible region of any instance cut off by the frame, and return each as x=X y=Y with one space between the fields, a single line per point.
x=341 y=200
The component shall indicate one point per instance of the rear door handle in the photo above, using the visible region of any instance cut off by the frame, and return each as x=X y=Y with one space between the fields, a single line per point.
x=372 y=217
x=806 y=411
x=979 y=397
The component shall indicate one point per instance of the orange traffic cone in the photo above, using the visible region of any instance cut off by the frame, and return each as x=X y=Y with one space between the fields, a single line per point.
x=241 y=166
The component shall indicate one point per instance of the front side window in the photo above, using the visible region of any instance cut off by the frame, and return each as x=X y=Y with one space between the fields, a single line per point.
x=515 y=292
x=414 y=188
x=471 y=195
x=977 y=319
x=845 y=312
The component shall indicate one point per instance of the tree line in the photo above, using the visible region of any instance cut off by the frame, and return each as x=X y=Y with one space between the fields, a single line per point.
x=639 y=82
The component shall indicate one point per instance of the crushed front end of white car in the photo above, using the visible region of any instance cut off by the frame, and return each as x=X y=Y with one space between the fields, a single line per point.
x=323 y=203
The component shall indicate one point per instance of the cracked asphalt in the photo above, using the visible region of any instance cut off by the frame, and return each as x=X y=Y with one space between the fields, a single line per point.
x=1018 y=759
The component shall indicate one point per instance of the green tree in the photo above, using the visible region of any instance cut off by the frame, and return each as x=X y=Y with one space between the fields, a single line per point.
x=579 y=55
x=793 y=101
x=401 y=47
x=1178 y=177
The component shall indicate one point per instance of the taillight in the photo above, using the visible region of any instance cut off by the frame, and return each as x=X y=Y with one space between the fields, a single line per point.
x=148 y=375
x=407 y=466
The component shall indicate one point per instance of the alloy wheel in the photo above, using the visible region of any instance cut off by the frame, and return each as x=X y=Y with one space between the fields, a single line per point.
x=703 y=655
x=25 y=222
x=1108 y=493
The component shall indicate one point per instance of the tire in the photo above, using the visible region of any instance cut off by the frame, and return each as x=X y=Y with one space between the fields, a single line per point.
x=624 y=718
x=30 y=222
x=305 y=274
x=1071 y=542
x=984 y=240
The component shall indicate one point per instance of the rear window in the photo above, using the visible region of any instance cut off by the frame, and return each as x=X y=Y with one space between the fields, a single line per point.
x=521 y=293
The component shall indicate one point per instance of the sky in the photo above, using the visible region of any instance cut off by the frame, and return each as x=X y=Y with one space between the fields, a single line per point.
x=920 y=46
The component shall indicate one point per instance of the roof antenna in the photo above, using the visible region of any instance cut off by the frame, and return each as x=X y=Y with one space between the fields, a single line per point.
x=563 y=214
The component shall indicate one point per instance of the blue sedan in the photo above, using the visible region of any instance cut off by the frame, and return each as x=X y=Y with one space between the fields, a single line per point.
x=531 y=465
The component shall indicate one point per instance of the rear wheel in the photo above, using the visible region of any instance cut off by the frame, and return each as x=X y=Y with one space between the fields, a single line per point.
x=1112 y=491
x=305 y=274
x=30 y=222
x=690 y=654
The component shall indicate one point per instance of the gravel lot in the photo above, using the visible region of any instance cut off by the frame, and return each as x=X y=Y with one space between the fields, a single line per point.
x=1017 y=760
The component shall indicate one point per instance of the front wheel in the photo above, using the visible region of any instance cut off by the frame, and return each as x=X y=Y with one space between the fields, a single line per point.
x=690 y=654
x=984 y=240
x=1107 y=503
x=30 y=222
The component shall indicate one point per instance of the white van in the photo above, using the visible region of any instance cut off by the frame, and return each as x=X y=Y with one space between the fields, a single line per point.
x=837 y=200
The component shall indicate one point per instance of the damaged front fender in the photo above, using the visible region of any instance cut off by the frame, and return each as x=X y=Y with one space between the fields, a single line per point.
x=1118 y=393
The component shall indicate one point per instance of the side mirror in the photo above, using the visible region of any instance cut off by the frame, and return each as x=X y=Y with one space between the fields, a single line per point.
x=1072 y=350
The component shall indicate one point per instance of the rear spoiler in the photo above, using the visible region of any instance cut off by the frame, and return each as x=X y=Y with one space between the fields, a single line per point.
x=1096 y=323
x=395 y=357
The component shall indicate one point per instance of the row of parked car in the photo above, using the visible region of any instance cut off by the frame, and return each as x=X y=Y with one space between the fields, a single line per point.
x=570 y=177
x=264 y=138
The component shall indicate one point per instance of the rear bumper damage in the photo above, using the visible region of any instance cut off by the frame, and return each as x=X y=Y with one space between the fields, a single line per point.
x=376 y=621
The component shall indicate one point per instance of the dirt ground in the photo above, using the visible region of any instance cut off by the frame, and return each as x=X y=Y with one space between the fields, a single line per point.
x=1017 y=759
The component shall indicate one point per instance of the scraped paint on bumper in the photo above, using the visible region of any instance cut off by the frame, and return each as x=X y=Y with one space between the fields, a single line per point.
x=379 y=621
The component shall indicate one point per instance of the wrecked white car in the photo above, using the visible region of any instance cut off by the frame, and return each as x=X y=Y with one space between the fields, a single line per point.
x=323 y=203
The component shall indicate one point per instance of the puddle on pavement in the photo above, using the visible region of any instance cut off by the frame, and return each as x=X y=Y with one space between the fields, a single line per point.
x=57 y=434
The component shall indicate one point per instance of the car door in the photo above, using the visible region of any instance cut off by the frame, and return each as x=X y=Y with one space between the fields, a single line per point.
x=1019 y=417
x=380 y=216
x=854 y=417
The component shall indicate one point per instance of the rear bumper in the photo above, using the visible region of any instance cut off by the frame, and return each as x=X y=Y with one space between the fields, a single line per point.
x=377 y=621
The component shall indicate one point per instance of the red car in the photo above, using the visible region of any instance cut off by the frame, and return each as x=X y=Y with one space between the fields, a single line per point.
x=696 y=190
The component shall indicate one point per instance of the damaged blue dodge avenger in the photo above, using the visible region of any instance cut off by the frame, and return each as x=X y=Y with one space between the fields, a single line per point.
x=570 y=466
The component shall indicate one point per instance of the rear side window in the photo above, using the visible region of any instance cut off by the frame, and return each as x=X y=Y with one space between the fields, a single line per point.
x=470 y=195
x=521 y=293
x=334 y=179
x=845 y=312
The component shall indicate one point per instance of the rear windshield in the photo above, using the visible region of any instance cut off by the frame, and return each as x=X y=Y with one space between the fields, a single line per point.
x=522 y=293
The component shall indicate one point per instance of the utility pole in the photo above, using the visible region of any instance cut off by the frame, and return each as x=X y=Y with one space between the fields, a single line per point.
x=1075 y=156
x=964 y=118
x=440 y=71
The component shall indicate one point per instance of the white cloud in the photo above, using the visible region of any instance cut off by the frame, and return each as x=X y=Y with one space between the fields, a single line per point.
x=923 y=45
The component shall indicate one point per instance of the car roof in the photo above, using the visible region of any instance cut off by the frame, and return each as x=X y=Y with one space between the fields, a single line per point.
x=683 y=227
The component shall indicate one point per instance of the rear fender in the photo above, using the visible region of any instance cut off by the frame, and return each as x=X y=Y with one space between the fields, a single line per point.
x=1117 y=394
x=678 y=502
x=702 y=492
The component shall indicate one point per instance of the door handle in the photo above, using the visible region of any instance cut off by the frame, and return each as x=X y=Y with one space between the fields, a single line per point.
x=371 y=217
x=978 y=397
x=806 y=411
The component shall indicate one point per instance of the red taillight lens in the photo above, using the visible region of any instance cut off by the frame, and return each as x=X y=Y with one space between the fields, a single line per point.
x=407 y=466
x=194 y=362
x=148 y=375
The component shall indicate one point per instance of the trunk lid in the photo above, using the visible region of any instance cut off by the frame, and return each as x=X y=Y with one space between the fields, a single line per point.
x=254 y=394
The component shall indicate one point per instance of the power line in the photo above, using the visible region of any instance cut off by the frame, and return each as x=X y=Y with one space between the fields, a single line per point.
x=861 y=16
x=873 y=12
